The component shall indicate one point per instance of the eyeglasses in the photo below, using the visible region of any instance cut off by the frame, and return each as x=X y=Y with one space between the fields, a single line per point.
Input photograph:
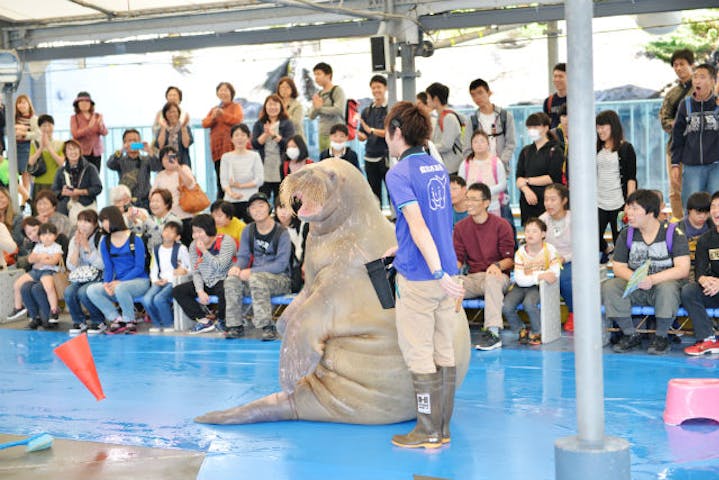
x=474 y=199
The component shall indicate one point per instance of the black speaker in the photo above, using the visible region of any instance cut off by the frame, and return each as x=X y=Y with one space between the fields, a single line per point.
x=379 y=47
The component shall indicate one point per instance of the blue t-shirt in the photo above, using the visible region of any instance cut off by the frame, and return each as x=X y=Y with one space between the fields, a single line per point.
x=419 y=178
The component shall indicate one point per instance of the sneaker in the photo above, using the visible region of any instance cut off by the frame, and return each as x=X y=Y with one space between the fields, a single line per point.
x=54 y=317
x=220 y=326
x=155 y=330
x=202 y=327
x=95 y=328
x=569 y=324
x=535 y=339
x=659 y=346
x=117 y=327
x=168 y=329
x=488 y=341
x=523 y=336
x=34 y=323
x=627 y=343
x=77 y=328
x=131 y=328
x=708 y=345
x=17 y=313
x=269 y=333
x=235 y=332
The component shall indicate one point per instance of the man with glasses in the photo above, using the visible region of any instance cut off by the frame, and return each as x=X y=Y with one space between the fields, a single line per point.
x=485 y=244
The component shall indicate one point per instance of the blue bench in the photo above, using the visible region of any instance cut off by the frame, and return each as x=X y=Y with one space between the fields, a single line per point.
x=278 y=300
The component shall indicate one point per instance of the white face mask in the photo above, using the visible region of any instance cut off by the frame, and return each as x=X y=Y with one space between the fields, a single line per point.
x=534 y=134
x=338 y=145
x=293 y=153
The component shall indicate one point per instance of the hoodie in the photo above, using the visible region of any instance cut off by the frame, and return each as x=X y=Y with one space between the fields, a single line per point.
x=695 y=138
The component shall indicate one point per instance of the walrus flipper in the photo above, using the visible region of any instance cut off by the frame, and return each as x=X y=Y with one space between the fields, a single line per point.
x=272 y=408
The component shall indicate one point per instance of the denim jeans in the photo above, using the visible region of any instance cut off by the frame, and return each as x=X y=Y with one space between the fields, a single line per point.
x=76 y=298
x=35 y=300
x=565 y=285
x=699 y=178
x=529 y=298
x=158 y=304
x=125 y=292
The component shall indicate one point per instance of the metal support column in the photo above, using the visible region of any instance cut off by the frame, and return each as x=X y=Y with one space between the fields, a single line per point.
x=552 y=53
x=589 y=455
x=409 y=72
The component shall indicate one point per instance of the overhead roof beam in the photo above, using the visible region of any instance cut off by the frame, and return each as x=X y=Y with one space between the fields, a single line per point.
x=92 y=6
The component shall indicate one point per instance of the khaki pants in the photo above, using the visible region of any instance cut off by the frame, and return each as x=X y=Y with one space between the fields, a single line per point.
x=492 y=288
x=675 y=190
x=425 y=325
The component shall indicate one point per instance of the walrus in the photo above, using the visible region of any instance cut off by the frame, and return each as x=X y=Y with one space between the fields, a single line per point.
x=339 y=358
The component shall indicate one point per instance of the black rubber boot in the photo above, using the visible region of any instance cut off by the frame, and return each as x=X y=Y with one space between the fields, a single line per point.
x=449 y=381
x=427 y=431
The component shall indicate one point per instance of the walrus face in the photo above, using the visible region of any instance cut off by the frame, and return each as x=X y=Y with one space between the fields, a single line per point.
x=316 y=188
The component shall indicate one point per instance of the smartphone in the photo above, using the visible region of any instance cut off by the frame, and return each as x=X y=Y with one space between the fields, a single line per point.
x=172 y=158
x=137 y=146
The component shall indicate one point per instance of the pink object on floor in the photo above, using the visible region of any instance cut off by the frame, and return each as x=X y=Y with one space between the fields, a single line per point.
x=689 y=398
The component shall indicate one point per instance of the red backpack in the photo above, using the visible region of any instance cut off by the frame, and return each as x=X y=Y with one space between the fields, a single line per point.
x=351 y=114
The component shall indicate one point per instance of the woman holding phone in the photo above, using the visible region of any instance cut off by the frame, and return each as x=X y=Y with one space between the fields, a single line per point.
x=170 y=178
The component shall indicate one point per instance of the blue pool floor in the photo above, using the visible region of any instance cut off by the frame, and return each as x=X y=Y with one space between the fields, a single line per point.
x=513 y=405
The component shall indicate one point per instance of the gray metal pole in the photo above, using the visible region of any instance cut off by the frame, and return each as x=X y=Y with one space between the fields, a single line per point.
x=589 y=455
x=11 y=143
x=552 y=53
x=409 y=73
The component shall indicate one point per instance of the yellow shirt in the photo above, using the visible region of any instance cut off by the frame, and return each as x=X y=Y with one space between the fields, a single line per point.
x=233 y=229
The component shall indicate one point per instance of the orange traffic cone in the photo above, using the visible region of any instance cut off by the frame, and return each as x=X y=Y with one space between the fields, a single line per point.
x=77 y=356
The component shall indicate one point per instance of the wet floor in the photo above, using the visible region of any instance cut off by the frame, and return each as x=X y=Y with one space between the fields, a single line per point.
x=511 y=408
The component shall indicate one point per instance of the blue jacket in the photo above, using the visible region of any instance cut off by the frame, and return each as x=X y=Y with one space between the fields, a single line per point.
x=695 y=138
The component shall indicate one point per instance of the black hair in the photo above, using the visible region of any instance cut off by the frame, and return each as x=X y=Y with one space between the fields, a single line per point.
x=699 y=201
x=422 y=97
x=324 y=68
x=562 y=110
x=165 y=194
x=454 y=178
x=173 y=225
x=113 y=215
x=240 y=126
x=45 y=118
x=47 y=228
x=170 y=88
x=300 y=142
x=715 y=195
x=711 y=69
x=129 y=131
x=414 y=124
x=538 y=222
x=292 y=85
x=378 y=79
x=48 y=195
x=224 y=206
x=89 y=215
x=206 y=223
x=34 y=222
x=165 y=150
x=610 y=117
x=538 y=119
x=562 y=67
x=438 y=91
x=562 y=190
x=229 y=87
x=481 y=188
x=166 y=108
x=339 y=127
x=477 y=83
x=646 y=199
x=683 y=54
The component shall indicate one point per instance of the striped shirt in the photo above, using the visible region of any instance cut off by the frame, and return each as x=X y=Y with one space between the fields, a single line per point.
x=212 y=266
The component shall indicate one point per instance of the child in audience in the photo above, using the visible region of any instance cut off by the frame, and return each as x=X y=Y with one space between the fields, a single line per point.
x=45 y=259
x=169 y=259
x=535 y=261
x=339 y=134
x=696 y=223
x=29 y=229
x=482 y=166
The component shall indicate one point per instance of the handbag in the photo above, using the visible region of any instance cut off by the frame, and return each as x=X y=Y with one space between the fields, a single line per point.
x=39 y=168
x=61 y=280
x=193 y=200
x=84 y=274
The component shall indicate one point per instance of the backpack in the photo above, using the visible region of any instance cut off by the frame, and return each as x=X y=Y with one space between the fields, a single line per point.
x=494 y=174
x=457 y=146
x=173 y=256
x=132 y=248
x=502 y=120
x=669 y=237
x=351 y=114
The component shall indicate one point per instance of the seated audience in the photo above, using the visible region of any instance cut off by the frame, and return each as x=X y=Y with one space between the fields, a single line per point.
x=227 y=224
x=296 y=156
x=484 y=243
x=29 y=236
x=149 y=226
x=665 y=248
x=46 y=207
x=696 y=223
x=458 y=194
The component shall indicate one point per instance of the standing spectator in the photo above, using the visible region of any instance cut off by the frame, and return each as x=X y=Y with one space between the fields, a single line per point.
x=483 y=167
x=668 y=270
x=682 y=62
x=338 y=146
x=539 y=164
x=46 y=156
x=175 y=134
x=27 y=128
x=558 y=219
x=77 y=183
x=227 y=224
x=328 y=104
x=211 y=257
x=448 y=137
x=85 y=260
x=458 y=194
x=220 y=120
x=498 y=124
x=172 y=95
x=287 y=91
x=616 y=173
x=376 y=158
x=425 y=261
x=269 y=138
x=535 y=261
x=87 y=126
x=170 y=260
x=124 y=277
x=553 y=102
x=134 y=165
x=150 y=226
x=296 y=156
x=485 y=244
x=702 y=294
x=170 y=178
x=241 y=172
x=695 y=138
x=261 y=271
